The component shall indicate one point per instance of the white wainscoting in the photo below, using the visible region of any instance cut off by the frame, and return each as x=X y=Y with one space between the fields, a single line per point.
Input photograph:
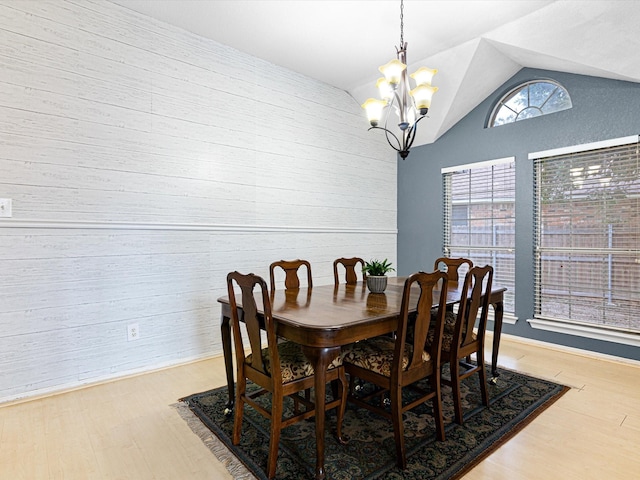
x=144 y=164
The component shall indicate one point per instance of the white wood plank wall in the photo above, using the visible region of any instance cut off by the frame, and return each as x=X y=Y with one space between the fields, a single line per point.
x=145 y=163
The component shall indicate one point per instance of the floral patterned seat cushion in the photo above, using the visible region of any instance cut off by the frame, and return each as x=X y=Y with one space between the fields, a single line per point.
x=376 y=354
x=449 y=329
x=293 y=363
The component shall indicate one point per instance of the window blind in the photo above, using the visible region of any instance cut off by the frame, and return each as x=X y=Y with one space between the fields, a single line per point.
x=479 y=218
x=587 y=236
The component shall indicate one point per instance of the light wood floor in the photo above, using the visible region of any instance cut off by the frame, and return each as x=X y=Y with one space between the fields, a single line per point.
x=127 y=429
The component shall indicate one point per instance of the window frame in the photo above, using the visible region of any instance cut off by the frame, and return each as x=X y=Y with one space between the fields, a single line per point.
x=504 y=99
x=542 y=319
x=482 y=250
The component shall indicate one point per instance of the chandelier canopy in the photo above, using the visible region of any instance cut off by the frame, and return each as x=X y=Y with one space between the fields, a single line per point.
x=410 y=106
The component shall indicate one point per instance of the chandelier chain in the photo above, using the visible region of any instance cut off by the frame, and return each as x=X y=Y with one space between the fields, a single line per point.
x=402 y=24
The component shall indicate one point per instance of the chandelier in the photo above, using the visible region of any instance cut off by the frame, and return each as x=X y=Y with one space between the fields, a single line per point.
x=410 y=106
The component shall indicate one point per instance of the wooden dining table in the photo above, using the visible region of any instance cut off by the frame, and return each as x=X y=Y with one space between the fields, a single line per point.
x=324 y=318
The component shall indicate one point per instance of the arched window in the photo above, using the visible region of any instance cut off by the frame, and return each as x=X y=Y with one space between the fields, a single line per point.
x=528 y=100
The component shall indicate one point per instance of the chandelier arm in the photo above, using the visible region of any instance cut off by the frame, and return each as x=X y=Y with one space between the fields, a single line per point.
x=412 y=133
x=399 y=102
x=387 y=133
x=396 y=103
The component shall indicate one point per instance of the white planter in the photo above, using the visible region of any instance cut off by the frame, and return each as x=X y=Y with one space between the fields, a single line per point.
x=376 y=284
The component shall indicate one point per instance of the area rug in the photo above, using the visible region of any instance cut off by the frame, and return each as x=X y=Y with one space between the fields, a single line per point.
x=515 y=400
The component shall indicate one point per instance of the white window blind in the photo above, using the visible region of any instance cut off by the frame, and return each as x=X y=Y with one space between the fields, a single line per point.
x=587 y=236
x=479 y=218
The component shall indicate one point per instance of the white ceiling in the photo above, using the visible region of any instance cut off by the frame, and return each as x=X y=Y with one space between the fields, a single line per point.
x=476 y=45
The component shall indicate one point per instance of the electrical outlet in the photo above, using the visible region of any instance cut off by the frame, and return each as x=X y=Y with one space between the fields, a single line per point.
x=5 y=207
x=133 y=332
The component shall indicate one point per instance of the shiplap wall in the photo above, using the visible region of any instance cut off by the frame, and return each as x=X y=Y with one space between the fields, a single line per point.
x=145 y=163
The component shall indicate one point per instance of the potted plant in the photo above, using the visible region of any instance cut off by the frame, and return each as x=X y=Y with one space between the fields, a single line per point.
x=376 y=272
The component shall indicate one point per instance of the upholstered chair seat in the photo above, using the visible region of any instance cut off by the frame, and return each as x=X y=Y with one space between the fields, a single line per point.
x=376 y=354
x=449 y=332
x=293 y=363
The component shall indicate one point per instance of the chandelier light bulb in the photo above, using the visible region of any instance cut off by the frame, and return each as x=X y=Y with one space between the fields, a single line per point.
x=392 y=72
x=422 y=96
x=374 y=108
x=384 y=89
x=424 y=76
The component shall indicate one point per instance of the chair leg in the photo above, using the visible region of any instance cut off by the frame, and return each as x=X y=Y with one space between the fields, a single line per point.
x=454 y=367
x=274 y=438
x=334 y=388
x=342 y=393
x=398 y=427
x=241 y=390
x=483 y=378
x=434 y=381
x=296 y=402
x=355 y=384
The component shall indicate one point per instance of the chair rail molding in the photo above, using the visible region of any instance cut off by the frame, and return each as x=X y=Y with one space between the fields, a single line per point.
x=206 y=227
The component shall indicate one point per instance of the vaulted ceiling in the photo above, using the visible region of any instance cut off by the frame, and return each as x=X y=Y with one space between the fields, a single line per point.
x=476 y=45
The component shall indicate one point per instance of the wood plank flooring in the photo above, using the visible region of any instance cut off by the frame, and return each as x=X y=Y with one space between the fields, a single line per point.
x=127 y=429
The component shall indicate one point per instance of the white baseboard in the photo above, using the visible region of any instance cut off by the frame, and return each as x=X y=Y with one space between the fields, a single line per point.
x=565 y=349
x=71 y=387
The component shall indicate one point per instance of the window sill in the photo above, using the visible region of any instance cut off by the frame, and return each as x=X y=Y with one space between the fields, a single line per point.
x=614 y=336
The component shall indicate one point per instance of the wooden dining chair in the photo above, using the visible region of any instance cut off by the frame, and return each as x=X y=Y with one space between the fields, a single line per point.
x=457 y=347
x=393 y=364
x=453 y=266
x=290 y=268
x=350 y=266
x=279 y=368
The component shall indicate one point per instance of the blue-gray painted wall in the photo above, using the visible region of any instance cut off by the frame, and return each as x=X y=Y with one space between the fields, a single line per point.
x=602 y=109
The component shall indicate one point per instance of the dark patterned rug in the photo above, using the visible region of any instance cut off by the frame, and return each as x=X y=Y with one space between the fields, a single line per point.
x=370 y=454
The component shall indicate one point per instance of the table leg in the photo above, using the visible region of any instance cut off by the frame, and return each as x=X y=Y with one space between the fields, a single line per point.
x=321 y=358
x=498 y=309
x=225 y=329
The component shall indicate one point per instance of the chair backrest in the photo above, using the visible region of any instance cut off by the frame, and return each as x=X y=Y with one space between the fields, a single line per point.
x=454 y=265
x=290 y=268
x=426 y=287
x=473 y=299
x=349 y=264
x=254 y=323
